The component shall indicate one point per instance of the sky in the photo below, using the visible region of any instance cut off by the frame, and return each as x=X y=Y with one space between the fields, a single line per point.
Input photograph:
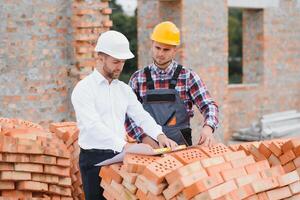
x=128 y=5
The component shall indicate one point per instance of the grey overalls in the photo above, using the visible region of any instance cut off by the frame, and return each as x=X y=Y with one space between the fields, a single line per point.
x=168 y=110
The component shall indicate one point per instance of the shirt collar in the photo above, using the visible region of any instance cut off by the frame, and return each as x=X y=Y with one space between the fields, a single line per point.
x=168 y=70
x=99 y=78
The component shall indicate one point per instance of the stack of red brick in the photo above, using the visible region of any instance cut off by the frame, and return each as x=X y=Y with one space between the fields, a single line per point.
x=34 y=163
x=254 y=171
x=68 y=133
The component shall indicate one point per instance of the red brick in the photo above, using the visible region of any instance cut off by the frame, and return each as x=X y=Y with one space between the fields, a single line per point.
x=141 y=184
x=59 y=190
x=184 y=171
x=275 y=148
x=189 y=155
x=286 y=157
x=288 y=178
x=43 y=159
x=272 y=172
x=28 y=167
x=290 y=145
x=141 y=195
x=222 y=189
x=7 y=185
x=155 y=189
x=56 y=170
x=242 y=161
x=290 y=166
x=114 y=172
x=217 y=150
x=274 y=160
x=202 y=185
x=64 y=181
x=233 y=173
x=255 y=152
x=182 y=182
x=264 y=149
x=15 y=194
x=157 y=170
x=129 y=177
x=207 y=162
x=10 y=157
x=104 y=174
x=106 y=11
x=110 y=190
x=129 y=186
x=229 y=156
x=241 y=181
x=297 y=162
x=6 y=167
x=13 y=175
x=218 y=168
x=58 y=152
x=279 y=193
x=294 y=197
x=136 y=163
x=241 y=192
x=63 y=162
x=32 y=185
x=261 y=185
x=295 y=187
x=258 y=166
x=36 y=149
x=46 y=178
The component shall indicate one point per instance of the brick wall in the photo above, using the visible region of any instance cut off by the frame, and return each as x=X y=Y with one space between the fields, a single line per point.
x=35 y=55
x=271 y=56
x=278 y=88
x=45 y=48
x=204 y=42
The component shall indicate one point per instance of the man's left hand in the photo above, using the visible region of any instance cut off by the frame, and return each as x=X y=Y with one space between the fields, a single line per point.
x=207 y=138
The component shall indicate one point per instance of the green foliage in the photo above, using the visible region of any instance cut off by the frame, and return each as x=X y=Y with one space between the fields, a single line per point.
x=235 y=45
x=128 y=26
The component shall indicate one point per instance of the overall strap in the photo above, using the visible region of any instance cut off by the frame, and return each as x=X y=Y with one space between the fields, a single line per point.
x=173 y=80
x=149 y=80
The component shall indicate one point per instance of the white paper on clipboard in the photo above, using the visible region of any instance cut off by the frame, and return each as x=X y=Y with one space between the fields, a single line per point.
x=140 y=148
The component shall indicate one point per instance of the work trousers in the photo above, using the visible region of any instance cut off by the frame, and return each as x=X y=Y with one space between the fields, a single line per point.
x=90 y=172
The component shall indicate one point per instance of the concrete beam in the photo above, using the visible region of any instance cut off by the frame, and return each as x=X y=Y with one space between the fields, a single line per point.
x=253 y=4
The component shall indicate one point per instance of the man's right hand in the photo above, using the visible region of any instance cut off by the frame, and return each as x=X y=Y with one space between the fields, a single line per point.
x=164 y=141
x=148 y=140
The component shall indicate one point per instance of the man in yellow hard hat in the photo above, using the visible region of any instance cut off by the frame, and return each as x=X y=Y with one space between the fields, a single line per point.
x=101 y=102
x=168 y=92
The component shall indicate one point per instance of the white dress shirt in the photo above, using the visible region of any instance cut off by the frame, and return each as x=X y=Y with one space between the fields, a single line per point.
x=100 y=110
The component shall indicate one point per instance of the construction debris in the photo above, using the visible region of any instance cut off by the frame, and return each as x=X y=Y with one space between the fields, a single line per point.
x=271 y=126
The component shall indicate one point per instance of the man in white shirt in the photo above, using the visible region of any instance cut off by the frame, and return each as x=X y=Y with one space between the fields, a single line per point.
x=101 y=102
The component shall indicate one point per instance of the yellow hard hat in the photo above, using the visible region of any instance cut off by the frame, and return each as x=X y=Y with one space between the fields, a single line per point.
x=166 y=33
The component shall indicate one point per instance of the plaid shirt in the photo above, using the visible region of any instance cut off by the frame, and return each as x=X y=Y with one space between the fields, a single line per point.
x=190 y=87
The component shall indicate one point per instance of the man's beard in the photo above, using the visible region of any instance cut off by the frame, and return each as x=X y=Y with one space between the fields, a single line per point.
x=161 y=64
x=111 y=74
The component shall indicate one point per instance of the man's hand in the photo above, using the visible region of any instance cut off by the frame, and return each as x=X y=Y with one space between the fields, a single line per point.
x=164 y=141
x=148 y=140
x=207 y=138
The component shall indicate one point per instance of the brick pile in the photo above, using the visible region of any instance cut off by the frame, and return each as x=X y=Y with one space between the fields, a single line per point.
x=35 y=164
x=90 y=18
x=68 y=133
x=257 y=170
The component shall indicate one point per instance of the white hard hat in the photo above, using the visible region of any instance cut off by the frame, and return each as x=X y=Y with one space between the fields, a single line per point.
x=114 y=44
